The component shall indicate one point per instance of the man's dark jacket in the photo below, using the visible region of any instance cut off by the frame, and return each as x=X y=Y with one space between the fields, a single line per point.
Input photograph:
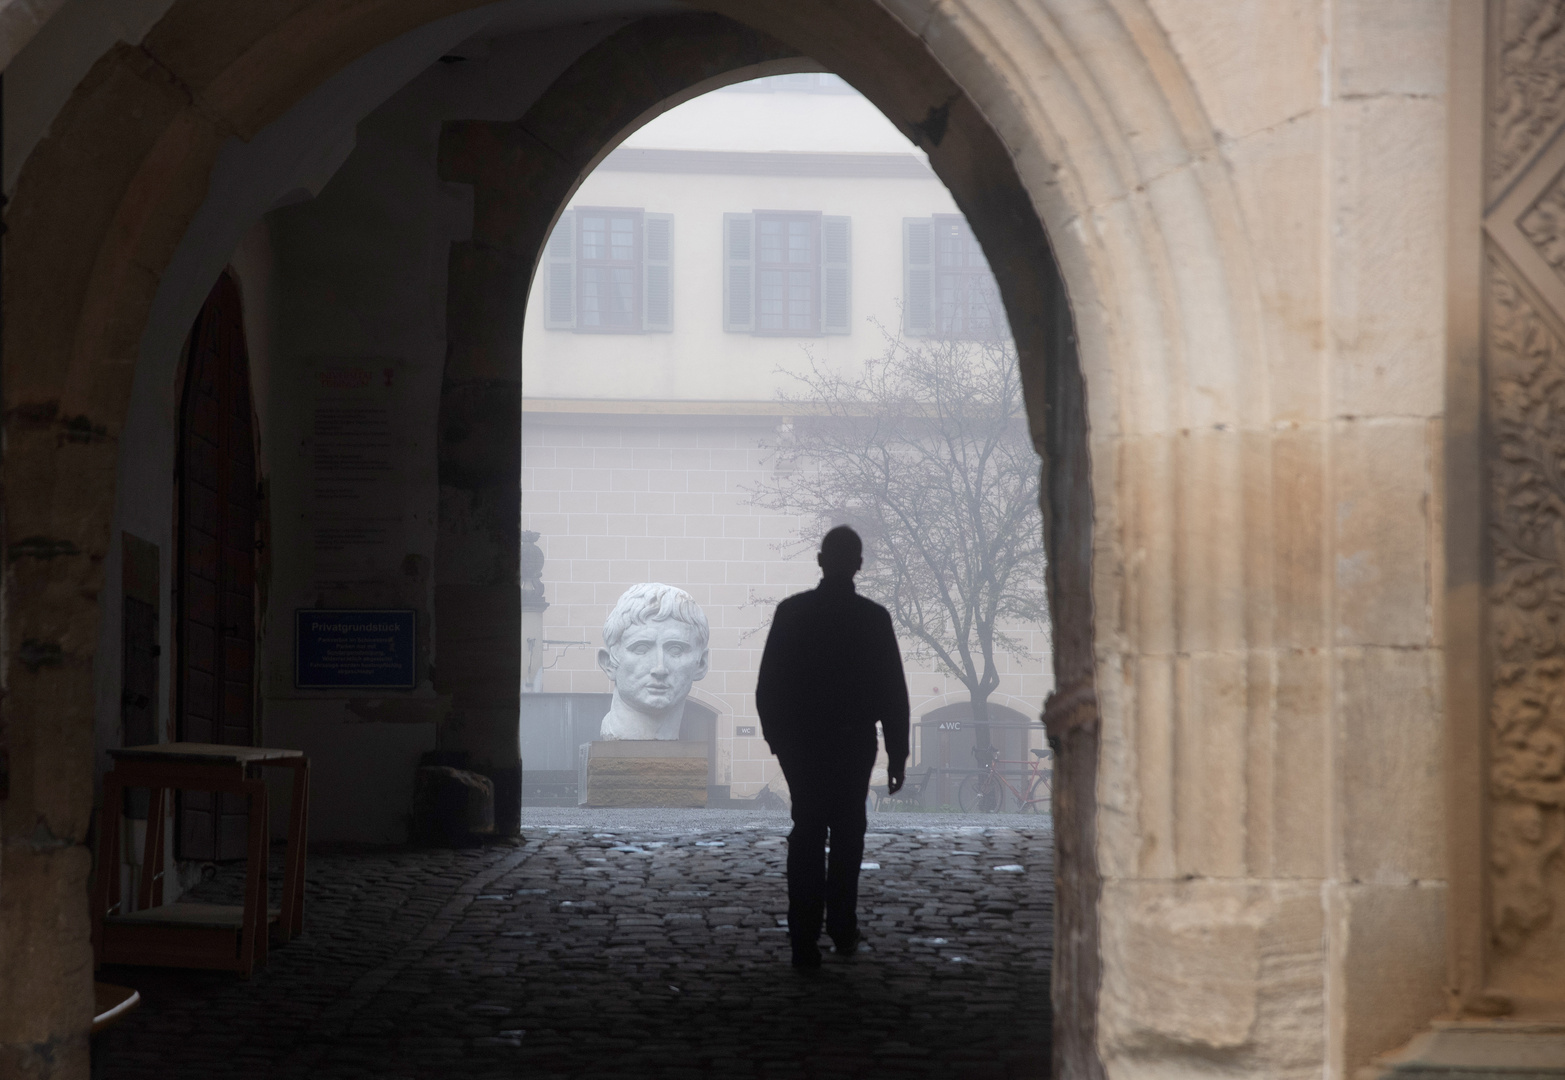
x=831 y=670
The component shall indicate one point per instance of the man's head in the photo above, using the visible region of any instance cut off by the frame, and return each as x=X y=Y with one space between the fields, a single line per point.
x=842 y=553
x=654 y=647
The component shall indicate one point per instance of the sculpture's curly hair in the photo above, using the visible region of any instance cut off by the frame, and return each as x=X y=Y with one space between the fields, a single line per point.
x=653 y=602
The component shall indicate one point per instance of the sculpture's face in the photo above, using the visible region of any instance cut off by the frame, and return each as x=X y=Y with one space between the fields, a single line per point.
x=654 y=663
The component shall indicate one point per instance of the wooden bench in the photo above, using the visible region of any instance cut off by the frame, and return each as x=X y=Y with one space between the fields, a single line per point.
x=225 y=937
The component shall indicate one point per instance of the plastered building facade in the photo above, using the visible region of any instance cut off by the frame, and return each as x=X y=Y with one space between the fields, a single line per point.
x=644 y=448
x=1283 y=279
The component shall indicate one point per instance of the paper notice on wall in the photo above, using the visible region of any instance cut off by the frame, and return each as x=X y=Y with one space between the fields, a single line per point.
x=356 y=454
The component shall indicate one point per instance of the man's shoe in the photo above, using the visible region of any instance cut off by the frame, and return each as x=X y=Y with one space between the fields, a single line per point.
x=849 y=944
x=806 y=958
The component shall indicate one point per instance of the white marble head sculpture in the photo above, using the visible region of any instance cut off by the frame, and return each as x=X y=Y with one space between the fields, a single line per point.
x=654 y=647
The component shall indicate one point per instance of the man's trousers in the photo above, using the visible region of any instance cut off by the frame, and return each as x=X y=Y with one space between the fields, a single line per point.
x=826 y=803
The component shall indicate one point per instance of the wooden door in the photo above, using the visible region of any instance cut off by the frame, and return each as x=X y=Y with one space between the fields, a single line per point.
x=216 y=575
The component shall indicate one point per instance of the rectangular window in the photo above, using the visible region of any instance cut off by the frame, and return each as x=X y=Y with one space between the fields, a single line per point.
x=608 y=267
x=948 y=288
x=967 y=298
x=610 y=270
x=787 y=273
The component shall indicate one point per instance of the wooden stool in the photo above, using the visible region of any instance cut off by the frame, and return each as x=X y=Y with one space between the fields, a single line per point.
x=225 y=937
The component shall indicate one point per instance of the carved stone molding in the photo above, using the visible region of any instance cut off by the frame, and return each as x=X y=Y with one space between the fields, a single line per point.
x=1528 y=224
x=1525 y=405
x=1527 y=623
x=1527 y=92
x=1506 y=786
x=1542 y=226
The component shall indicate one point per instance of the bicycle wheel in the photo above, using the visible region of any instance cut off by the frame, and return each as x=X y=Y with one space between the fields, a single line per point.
x=981 y=793
x=1039 y=798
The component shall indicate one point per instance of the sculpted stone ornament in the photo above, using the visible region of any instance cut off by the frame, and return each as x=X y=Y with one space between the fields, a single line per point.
x=654 y=648
x=1527 y=635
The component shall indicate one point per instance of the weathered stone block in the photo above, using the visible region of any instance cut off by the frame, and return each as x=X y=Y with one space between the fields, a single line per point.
x=452 y=806
x=1383 y=576
x=1389 y=982
x=643 y=773
x=1202 y=978
x=1389 y=766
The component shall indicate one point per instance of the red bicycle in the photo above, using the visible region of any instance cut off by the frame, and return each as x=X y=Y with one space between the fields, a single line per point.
x=989 y=792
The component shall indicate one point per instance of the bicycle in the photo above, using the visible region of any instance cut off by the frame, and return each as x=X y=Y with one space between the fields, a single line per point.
x=986 y=792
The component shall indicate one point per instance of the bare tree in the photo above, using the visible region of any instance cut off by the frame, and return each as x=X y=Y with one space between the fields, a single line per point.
x=927 y=455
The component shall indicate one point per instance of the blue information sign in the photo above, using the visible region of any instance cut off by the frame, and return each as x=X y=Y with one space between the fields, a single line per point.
x=358 y=649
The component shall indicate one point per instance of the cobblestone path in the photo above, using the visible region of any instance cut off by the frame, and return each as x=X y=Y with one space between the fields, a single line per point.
x=650 y=950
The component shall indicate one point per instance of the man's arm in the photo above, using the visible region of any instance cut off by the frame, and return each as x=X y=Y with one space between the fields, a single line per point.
x=891 y=685
x=773 y=682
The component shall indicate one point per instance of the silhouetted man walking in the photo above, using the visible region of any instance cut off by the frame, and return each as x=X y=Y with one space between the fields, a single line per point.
x=830 y=671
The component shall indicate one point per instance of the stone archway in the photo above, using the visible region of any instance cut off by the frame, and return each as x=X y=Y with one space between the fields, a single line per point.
x=524 y=172
x=1076 y=119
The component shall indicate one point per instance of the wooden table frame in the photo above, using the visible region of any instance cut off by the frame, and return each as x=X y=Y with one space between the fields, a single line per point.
x=187 y=935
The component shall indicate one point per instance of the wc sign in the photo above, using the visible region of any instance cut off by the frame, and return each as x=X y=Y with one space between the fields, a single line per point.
x=368 y=650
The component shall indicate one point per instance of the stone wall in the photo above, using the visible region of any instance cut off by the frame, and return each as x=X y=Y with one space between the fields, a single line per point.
x=1247 y=205
x=1507 y=286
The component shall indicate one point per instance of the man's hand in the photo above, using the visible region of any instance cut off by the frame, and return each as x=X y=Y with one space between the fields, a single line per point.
x=896 y=776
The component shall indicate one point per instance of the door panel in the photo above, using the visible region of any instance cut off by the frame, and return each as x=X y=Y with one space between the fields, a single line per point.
x=216 y=576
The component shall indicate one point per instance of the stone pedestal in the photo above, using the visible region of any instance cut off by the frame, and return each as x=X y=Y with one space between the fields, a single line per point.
x=642 y=773
x=1477 y=1050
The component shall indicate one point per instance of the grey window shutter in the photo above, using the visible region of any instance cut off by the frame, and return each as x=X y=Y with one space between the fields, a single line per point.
x=739 y=273
x=657 y=272
x=836 y=275
x=560 y=262
x=918 y=277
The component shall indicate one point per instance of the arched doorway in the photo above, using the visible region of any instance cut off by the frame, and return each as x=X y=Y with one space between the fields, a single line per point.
x=947 y=742
x=215 y=568
x=1010 y=157
x=521 y=184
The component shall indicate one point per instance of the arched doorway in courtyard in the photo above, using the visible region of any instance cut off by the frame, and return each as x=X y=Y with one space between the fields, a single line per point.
x=1163 y=314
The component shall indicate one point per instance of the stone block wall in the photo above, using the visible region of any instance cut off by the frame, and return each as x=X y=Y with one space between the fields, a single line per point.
x=1250 y=206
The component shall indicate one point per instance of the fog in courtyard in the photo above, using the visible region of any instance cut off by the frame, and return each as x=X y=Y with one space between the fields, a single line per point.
x=761 y=316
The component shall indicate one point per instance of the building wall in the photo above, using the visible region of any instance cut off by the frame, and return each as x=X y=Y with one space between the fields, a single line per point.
x=364 y=203
x=1248 y=203
x=625 y=483
x=698 y=360
x=621 y=499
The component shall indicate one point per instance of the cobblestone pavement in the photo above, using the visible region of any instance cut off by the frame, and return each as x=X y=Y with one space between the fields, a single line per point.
x=627 y=945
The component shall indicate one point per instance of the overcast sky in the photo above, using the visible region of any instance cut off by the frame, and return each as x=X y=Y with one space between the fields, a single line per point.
x=737 y=120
